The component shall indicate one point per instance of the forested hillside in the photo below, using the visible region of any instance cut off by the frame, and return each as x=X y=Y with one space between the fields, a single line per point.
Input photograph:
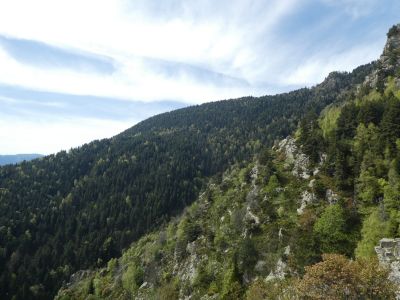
x=77 y=209
x=298 y=221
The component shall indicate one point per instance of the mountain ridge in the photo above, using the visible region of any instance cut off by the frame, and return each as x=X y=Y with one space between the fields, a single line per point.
x=77 y=209
x=17 y=158
x=263 y=228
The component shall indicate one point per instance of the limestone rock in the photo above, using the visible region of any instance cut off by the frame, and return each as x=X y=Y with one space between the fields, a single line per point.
x=306 y=198
x=279 y=272
x=388 y=253
x=251 y=218
x=260 y=266
x=331 y=196
x=294 y=156
x=300 y=168
x=389 y=61
x=288 y=146
x=311 y=183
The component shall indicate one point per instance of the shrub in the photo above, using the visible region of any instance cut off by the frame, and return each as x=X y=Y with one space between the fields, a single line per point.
x=132 y=278
x=167 y=292
x=374 y=228
x=337 y=277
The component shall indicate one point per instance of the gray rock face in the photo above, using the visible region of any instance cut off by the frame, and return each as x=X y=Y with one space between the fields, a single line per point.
x=279 y=272
x=281 y=268
x=77 y=277
x=388 y=253
x=289 y=147
x=389 y=62
x=260 y=266
x=306 y=198
x=250 y=218
x=331 y=196
x=294 y=156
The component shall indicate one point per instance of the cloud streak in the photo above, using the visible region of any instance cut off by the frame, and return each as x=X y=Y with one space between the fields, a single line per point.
x=105 y=60
x=204 y=50
x=41 y=55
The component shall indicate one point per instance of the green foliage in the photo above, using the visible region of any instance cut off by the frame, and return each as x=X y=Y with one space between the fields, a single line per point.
x=392 y=88
x=305 y=250
x=337 y=277
x=331 y=231
x=188 y=229
x=132 y=278
x=231 y=287
x=369 y=187
x=328 y=120
x=310 y=137
x=373 y=229
x=366 y=139
x=390 y=126
x=82 y=207
x=272 y=186
x=370 y=112
x=203 y=278
x=393 y=31
x=167 y=291
x=347 y=122
x=273 y=289
x=392 y=189
x=319 y=189
x=247 y=255
x=77 y=209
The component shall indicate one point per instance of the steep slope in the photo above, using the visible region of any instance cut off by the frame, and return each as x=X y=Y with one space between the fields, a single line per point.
x=242 y=225
x=334 y=188
x=76 y=210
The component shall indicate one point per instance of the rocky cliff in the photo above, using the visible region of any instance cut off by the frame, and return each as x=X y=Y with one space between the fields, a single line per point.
x=389 y=62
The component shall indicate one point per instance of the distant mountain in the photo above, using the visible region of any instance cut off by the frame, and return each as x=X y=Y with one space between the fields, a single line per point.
x=17 y=158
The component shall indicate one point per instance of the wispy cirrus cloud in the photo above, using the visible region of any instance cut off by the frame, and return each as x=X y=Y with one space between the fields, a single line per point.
x=192 y=51
x=101 y=60
x=355 y=8
x=42 y=55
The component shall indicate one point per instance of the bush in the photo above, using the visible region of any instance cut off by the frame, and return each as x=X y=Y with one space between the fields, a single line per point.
x=337 y=277
x=374 y=228
x=330 y=230
x=274 y=289
x=247 y=255
x=167 y=292
x=132 y=278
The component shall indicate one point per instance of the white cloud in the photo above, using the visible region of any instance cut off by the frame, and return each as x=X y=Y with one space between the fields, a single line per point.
x=316 y=68
x=355 y=8
x=47 y=136
x=221 y=40
x=163 y=50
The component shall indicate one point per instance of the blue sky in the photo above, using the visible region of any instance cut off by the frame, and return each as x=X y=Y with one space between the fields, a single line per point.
x=73 y=71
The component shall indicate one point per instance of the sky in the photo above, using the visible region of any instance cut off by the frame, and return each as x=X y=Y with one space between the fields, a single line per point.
x=72 y=71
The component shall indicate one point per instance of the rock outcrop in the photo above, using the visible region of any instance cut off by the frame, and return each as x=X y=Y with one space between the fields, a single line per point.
x=331 y=196
x=306 y=198
x=388 y=253
x=294 y=156
x=389 y=62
